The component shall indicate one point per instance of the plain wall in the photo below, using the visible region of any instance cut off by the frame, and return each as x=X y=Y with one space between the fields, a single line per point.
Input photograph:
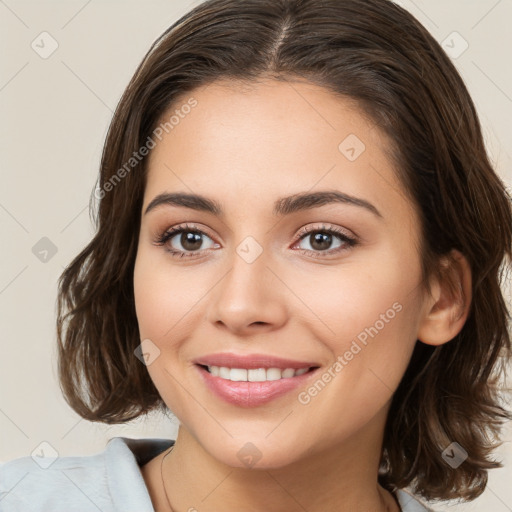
x=54 y=114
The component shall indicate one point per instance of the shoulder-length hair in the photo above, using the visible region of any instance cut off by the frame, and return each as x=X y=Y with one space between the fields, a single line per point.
x=377 y=54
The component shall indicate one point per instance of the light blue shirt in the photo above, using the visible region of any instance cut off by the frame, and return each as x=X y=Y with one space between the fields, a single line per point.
x=110 y=481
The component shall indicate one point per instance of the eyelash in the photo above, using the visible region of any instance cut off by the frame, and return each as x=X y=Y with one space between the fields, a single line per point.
x=168 y=234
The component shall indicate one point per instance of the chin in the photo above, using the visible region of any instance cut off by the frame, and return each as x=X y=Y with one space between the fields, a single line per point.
x=250 y=452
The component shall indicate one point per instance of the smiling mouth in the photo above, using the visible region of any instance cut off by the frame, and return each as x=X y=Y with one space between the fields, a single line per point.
x=255 y=374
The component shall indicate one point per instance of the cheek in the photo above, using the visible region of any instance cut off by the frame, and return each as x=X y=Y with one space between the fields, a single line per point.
x=373 y=296
x=371 y=311
x=166 y=298
x=367 y=316
x=164 y=304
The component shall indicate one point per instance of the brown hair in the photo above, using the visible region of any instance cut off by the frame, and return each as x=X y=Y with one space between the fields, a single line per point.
x=376 y=53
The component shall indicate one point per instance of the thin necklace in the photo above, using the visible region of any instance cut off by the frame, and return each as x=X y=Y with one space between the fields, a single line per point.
x=165 y=491
x=162 y=476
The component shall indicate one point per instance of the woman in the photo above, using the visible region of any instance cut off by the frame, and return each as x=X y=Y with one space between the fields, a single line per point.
x=298 y=253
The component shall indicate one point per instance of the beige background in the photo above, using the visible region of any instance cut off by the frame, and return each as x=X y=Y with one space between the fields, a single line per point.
x=54 y=114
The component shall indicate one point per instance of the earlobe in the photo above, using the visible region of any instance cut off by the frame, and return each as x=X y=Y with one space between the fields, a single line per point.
x=448 y=306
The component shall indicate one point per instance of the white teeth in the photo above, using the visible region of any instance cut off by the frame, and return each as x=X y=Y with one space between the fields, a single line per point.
x=274 y=374
x=238 y=374
x=224 y=373
x=254 y=375
x=257 y=375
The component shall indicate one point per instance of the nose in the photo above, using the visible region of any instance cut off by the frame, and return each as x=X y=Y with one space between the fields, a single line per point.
x=249 y=299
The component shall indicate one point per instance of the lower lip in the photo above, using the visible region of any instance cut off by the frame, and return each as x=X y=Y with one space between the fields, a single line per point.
x=252 y=394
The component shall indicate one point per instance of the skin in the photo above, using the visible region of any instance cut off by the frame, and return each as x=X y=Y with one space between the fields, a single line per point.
x=245 y=147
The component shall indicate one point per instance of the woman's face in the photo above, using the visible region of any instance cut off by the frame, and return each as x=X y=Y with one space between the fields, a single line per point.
x=299 y=252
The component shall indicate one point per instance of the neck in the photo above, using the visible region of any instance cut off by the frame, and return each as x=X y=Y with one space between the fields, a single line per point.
x=341 y=478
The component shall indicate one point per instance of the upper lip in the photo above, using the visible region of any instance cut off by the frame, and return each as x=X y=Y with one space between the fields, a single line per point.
x=249 y=361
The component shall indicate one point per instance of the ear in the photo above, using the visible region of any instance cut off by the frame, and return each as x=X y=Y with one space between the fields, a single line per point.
x=447 y=307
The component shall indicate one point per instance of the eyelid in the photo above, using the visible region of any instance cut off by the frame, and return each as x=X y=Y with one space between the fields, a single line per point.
x=163 y=236
x=306 y=230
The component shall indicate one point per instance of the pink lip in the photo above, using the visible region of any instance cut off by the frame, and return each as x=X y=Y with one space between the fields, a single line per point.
x=230 y=360
x=251 y=394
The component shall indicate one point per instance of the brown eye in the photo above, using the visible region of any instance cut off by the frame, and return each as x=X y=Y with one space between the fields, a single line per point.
x=183 y=241
x=320 y=241
x=324 y=240
x=189 y=240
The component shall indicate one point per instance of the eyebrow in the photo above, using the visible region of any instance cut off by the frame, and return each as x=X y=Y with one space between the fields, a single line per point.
x=283 y=206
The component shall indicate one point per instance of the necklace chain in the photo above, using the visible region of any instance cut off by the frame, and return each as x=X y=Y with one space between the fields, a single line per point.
x=165 y=491
x=162 y=476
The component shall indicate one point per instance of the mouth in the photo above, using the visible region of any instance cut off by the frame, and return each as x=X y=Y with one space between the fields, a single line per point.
x=255 y=374
x=252 y=380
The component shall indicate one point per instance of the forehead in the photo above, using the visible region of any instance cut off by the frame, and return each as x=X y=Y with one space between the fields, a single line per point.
x=245 y=142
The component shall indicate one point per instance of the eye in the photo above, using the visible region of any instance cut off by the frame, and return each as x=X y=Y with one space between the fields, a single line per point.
x=321 y=240
x=184 y=241
x=188 y=241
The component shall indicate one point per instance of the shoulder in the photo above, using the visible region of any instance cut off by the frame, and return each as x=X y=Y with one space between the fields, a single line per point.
x=410 y=503
x=34 y=483
x=109 y=480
